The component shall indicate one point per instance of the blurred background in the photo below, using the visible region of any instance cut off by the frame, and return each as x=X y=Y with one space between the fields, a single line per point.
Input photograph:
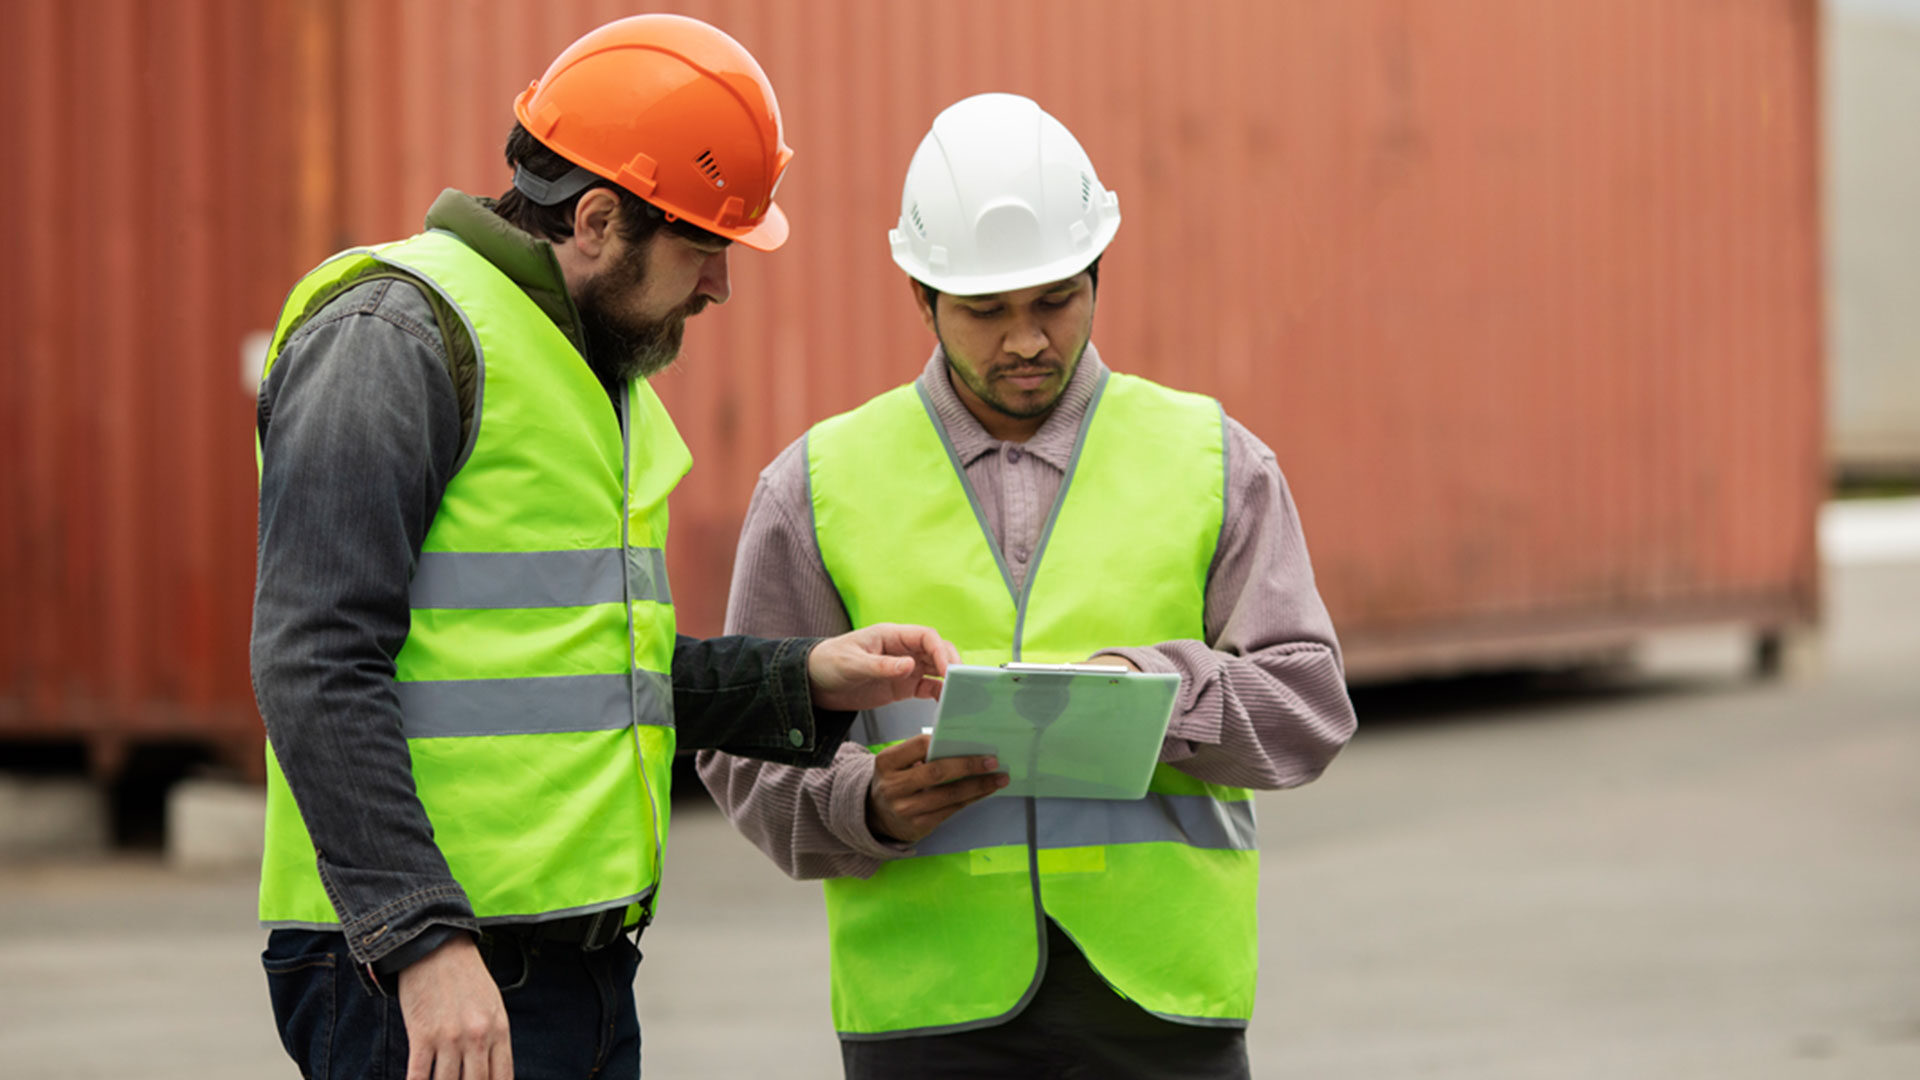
x=1587 y=334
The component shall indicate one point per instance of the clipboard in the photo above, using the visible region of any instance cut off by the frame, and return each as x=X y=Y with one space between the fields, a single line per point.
x=1063 y=731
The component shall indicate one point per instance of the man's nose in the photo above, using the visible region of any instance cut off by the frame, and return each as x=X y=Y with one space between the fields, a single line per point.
x=1025 y=339
x=713 y=278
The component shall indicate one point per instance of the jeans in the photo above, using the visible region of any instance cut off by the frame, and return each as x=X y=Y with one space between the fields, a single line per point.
x=570 y=1013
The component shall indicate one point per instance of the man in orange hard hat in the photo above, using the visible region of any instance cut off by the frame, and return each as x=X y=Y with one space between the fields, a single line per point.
x=464 y=644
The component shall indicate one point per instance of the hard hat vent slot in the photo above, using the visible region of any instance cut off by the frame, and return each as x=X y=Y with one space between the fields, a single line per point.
x=919 y=226
x=710 y=168
x=1086 y=191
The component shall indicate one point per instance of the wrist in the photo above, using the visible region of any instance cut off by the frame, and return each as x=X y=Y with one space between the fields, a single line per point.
x=426 y=942
x=876 y=817
x=852 y=815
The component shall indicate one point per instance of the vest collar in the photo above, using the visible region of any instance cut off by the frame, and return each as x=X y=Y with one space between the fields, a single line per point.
x=1055 y=440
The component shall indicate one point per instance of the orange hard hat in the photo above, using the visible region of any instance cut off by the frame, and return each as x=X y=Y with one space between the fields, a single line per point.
x=676 y=112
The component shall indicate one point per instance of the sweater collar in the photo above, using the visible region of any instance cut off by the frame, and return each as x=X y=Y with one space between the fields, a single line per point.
x=527 y=260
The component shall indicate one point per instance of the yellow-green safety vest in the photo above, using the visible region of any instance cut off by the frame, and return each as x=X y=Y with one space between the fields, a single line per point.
x=1158 y=892
x=534 y=684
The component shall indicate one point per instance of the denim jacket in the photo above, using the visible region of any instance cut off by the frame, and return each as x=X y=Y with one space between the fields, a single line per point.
x=361 y=426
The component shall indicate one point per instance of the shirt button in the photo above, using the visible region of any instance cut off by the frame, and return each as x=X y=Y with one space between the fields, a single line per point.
x=1014 y=454
x=797 y=737
x=1020 y=555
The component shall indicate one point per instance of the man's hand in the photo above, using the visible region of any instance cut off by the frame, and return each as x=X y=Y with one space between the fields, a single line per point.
x=456 y=1023
x=876 y=665
x=911 y=795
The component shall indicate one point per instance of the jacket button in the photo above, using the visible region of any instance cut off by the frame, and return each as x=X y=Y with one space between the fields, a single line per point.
x=797 y=737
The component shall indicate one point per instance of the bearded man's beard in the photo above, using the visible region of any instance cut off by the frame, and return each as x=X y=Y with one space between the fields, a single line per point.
x=622 y=347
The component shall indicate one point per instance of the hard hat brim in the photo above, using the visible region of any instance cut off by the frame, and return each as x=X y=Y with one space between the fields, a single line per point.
x=1010 y=280
x=768 y=235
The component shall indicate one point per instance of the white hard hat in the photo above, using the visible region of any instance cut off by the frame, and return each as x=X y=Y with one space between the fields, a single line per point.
x=999 y=197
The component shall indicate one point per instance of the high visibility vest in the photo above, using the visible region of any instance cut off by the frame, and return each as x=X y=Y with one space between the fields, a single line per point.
x=534 y=684
x=1158 y=892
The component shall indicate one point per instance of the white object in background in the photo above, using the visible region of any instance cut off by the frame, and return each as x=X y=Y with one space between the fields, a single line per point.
x=215 y=824
x=47 y=816
x=253 y=358
x=1869 y=97
x=1870 y=531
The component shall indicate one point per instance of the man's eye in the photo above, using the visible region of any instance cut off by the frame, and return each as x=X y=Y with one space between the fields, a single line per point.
x=984 y=313
x=1055 y=303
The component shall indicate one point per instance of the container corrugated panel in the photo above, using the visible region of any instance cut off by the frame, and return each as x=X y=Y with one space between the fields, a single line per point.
x=150 y=212
x=1525 y=296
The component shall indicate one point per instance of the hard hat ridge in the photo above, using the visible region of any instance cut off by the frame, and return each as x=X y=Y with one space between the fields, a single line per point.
x=1000 y=195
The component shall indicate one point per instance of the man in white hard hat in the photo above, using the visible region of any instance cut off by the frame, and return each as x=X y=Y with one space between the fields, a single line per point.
x=1056 y=511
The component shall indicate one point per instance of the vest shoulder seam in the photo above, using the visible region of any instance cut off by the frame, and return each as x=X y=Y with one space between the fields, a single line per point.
x=371 y=303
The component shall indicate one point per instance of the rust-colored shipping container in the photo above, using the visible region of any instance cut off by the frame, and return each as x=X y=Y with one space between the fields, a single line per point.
x=1524 y=295
x=149 y=202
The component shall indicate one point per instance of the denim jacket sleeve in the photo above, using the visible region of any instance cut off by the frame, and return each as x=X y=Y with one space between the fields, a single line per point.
x=750 y=696
x=360 y=431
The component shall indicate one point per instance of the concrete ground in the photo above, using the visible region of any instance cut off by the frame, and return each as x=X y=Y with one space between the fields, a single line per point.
x=1685 y=875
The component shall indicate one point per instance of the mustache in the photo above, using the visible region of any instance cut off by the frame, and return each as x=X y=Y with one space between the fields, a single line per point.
x=1027 y=367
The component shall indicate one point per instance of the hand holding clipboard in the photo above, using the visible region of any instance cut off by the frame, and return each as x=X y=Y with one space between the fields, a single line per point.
x=1073 y=731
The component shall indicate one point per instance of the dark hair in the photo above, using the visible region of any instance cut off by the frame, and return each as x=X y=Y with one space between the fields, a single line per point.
x=638 y=220
x=1092 y=270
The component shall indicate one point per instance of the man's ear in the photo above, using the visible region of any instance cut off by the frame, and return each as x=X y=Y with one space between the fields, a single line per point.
x=926 y=307
x=593 y=221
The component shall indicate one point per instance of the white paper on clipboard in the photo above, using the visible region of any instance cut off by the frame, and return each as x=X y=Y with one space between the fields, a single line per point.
x=1068 y=731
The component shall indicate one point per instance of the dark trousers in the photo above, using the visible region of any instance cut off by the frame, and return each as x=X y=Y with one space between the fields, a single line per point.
x=1075 y=1028
x=570 y=1013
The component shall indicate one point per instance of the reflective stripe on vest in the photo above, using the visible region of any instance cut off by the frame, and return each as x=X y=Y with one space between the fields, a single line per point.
x=535 y=579
x=1195 y=820
x=450 y=708
x=533 y=684
x=1158 y=892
